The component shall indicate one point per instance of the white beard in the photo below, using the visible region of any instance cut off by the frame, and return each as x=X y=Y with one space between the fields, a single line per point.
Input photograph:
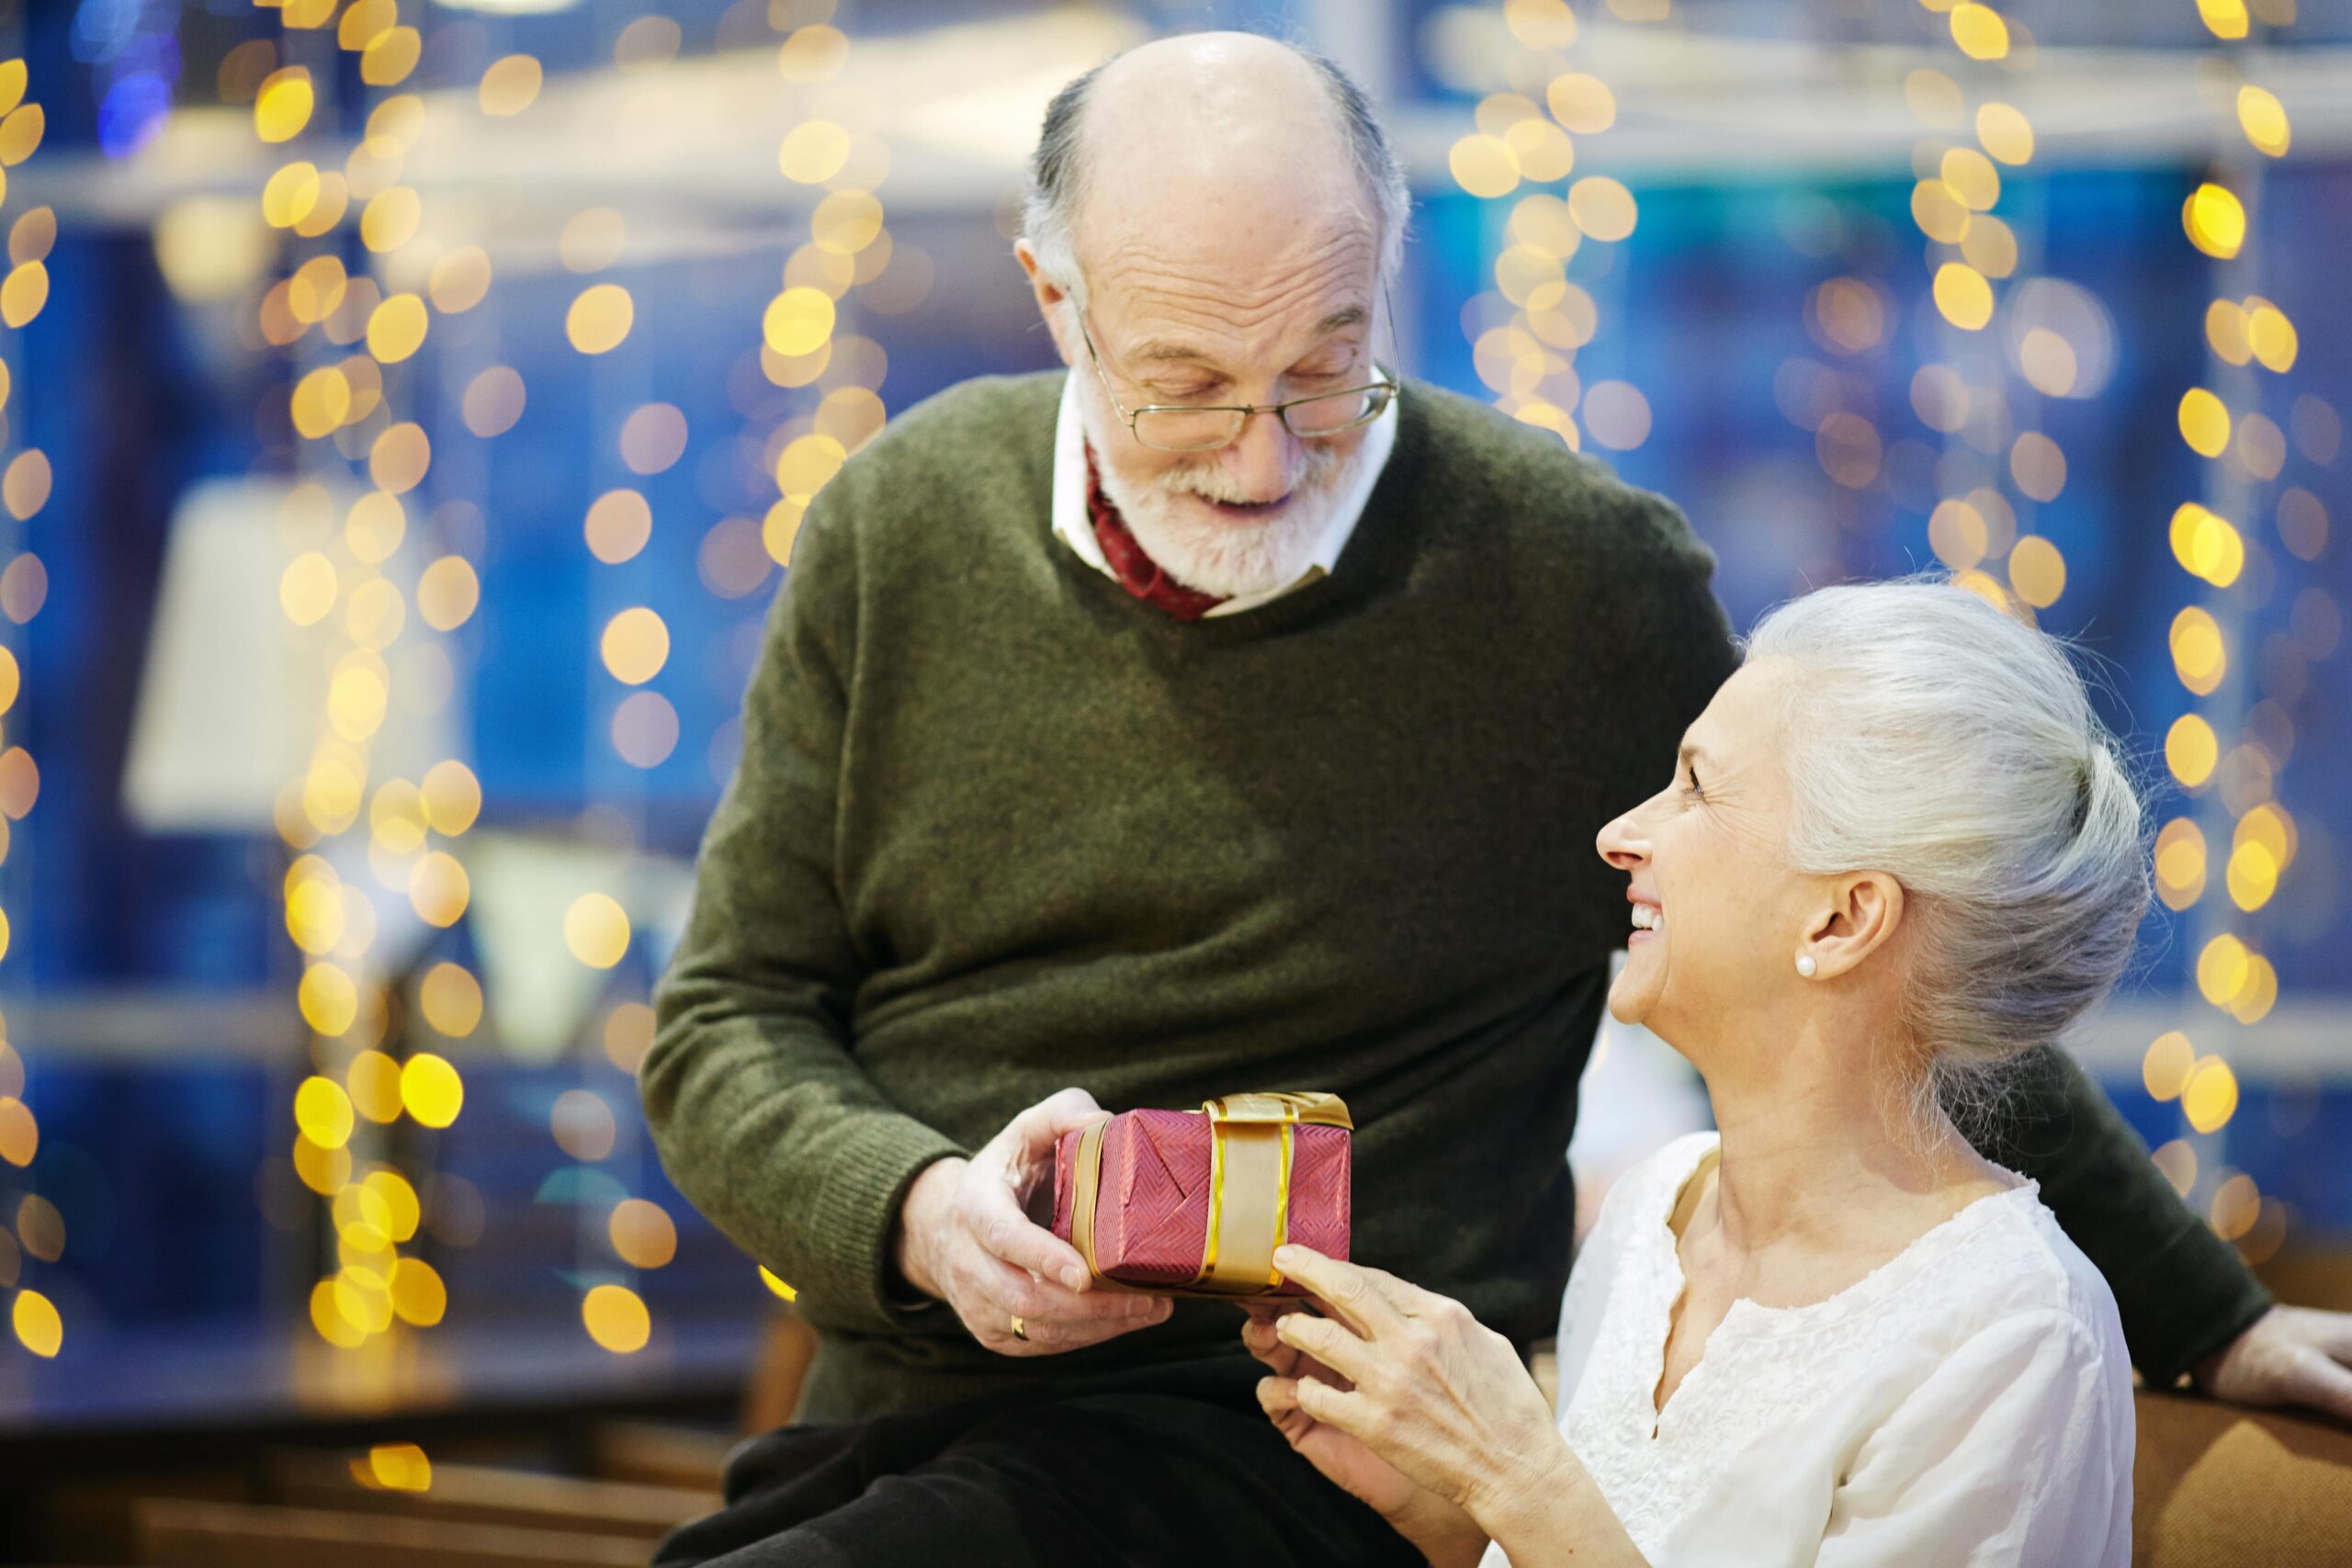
x=1232 y=561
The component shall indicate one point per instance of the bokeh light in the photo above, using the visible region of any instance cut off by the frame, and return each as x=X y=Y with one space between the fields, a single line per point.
x=596 y=929
x=431 y=1089
x=615 y=1318
x=618 y=525
x=582 y=1124
x=642 y=1233
x=600 y=319
x=635 y=645
x=510 y=85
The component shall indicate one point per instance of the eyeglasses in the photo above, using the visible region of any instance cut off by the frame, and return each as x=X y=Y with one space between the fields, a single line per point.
x=1198 y=427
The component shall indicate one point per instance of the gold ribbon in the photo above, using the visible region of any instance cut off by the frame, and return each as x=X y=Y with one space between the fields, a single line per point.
x=1082 y=1214
x=1250 y=1144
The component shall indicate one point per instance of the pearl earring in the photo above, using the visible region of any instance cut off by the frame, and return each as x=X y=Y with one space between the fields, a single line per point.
x=1806 y=965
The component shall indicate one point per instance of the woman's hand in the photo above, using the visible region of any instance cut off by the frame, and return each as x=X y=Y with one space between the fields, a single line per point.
x=1420 y=1386
x=1354 y=1468
x=1442 y=1530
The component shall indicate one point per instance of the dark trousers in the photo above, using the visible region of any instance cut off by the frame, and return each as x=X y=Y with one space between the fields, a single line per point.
x=1173 y=1465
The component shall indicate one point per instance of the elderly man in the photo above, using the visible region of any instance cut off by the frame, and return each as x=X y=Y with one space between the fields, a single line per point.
x=1214 y=716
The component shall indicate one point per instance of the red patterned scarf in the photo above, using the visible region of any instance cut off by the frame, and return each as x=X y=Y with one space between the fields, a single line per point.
x=1137 y=572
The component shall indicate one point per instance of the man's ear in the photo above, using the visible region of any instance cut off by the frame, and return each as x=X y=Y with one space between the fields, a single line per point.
x=1860 y=915
x=1051 y=296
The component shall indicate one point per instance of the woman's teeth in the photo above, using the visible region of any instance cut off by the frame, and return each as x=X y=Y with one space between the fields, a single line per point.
x=1648 y=918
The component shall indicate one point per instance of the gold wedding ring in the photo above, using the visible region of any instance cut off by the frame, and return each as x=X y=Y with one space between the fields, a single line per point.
x=1018 y=1331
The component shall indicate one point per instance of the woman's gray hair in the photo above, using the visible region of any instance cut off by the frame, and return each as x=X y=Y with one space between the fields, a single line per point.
x=1057 y=174
x=1935 y=737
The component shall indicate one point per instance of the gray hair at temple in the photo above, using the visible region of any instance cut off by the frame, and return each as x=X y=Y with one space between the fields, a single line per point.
x=1057 y=173
x=1933 y=737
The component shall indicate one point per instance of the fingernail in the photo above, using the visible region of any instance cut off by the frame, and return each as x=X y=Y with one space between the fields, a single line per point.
x=1288 y=1253
x=1074 y=1277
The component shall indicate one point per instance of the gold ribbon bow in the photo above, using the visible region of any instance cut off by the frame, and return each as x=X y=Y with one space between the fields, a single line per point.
x=1250 y=1140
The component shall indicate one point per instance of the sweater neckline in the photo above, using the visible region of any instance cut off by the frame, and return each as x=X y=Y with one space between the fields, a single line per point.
x=1381 y=533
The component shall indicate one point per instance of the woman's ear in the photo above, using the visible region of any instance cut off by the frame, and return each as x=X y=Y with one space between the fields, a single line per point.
x=1861 y=914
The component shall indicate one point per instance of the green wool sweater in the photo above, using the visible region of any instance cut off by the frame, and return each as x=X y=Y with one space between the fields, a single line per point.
x=1000 y=828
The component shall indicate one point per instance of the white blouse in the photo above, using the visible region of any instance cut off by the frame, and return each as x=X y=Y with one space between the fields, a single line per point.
x=1967 y=1402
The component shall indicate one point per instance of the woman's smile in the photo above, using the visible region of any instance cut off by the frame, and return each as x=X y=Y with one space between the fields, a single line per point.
x=1649 y=919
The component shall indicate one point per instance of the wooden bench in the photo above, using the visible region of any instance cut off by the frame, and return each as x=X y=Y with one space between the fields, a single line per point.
x=179 y=1532
x=645 y=1479
x=492 y=1495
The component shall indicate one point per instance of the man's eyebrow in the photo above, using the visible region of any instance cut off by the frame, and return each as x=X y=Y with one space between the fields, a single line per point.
x=1162 y=350
x=1175 y=350
x=1350 y=316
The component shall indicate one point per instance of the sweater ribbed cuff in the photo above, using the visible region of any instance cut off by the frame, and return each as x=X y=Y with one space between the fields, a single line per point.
x=2192 y=1296
x=849 y=1253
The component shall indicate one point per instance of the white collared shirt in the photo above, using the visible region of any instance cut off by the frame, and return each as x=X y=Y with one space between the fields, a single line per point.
x=1072 y=524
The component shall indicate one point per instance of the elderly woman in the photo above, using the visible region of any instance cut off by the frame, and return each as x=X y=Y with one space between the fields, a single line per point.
x=1897 y=850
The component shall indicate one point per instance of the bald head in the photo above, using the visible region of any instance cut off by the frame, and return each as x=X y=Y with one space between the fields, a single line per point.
x=1225 y=105
x=1202 y=131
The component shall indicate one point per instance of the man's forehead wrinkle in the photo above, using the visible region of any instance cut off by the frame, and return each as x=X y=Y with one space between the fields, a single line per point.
x=1151 y=309
x=1151 y=279
x=1159 y=314
x=1148 y=299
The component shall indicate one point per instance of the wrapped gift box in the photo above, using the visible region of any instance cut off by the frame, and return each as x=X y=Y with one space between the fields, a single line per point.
x=1194 y=1202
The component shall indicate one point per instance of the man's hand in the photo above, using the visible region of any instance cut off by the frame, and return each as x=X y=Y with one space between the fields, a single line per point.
x=2289 y=1356
x=965 y=1236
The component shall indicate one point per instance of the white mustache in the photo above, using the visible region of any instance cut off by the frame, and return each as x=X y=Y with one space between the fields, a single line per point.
x=1213 y=483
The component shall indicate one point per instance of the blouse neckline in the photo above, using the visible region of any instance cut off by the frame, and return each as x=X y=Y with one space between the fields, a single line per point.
x=1944 y=1236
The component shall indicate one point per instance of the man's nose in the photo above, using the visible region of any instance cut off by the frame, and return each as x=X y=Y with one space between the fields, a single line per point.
x=1262 y=459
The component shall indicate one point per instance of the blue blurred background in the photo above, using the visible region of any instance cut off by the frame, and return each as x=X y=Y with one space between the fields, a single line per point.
x=1764 y=346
